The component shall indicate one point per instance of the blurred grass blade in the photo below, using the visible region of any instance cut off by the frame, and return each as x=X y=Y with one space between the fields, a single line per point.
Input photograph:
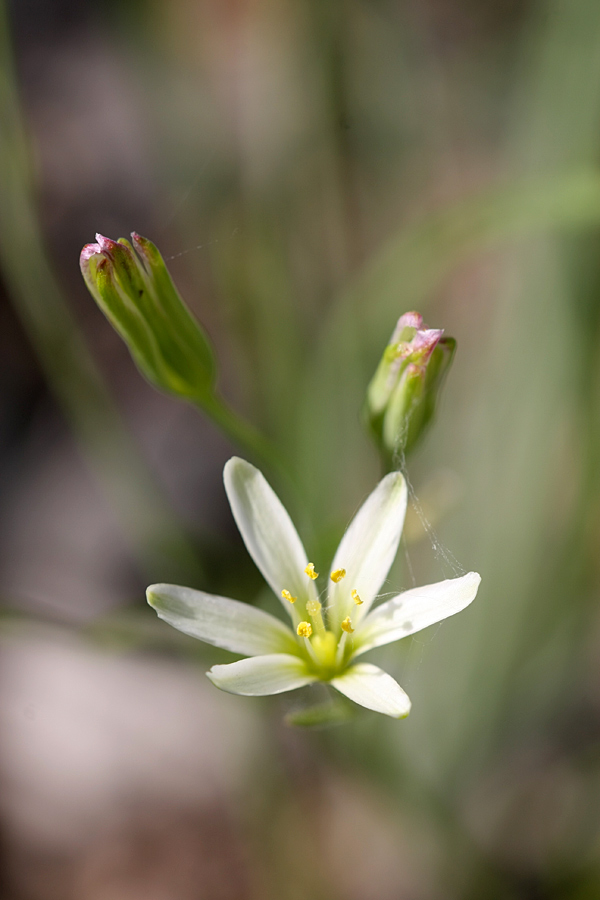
x=412 y=263
x=154 y=532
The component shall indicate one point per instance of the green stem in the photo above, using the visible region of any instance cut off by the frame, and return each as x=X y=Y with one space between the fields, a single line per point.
x=248 y=438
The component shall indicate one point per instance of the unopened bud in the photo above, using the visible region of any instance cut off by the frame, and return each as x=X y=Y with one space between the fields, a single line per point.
x=136 y=294
x=402 y=396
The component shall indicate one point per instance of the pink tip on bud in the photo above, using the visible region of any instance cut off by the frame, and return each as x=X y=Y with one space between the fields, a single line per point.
x=142 y=245
x=106 y=244
x=425 y=342
x=406 y=326
x=410 y=320
x=407 y=320
x=90 y=250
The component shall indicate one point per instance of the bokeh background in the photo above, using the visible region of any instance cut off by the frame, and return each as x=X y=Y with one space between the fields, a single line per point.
x=311 y=170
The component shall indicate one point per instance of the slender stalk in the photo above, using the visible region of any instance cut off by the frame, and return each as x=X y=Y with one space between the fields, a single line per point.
x=253 y=444
x=242 y=433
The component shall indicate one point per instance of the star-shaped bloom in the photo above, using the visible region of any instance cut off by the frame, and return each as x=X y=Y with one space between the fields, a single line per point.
x=326 y=633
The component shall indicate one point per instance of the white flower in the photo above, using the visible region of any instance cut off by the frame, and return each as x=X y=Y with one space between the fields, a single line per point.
x=323 y=642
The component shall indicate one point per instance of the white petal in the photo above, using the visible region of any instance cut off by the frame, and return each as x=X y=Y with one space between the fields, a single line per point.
x=375 y=689
x=262 y=675
x=415 y=609
x=268 y=532
x=368 y=548
x=225 y=623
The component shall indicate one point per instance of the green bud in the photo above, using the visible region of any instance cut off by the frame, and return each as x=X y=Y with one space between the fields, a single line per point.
x=136 y=294
x=402 y=396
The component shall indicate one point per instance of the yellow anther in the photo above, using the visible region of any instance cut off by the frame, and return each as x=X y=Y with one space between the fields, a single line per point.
x=347 y=625
x=356 y=597
x=313 y=607
x=287 y=596
x=310 y=571
x=338 y=575
x=304 y=629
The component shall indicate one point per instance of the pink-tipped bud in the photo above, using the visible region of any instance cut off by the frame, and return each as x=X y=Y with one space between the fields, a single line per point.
x=402 y=395
x=138 y=297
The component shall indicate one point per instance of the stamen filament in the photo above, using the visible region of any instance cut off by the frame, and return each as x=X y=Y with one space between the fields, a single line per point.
x=313 y=608
x=341 y=647
x=311 y=651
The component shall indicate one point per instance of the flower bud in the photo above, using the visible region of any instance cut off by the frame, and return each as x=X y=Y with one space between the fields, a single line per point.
x=136 y=294
x=402 y=396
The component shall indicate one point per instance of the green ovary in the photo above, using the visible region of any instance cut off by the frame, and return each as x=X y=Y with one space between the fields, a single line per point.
x=324 y=646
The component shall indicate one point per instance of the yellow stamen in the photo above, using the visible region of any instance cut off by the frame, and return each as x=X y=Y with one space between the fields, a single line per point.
x=304 y=629
x=347 y=625
x=356 y=598
x=310 y=571
x=338 y=575
x=287 y=596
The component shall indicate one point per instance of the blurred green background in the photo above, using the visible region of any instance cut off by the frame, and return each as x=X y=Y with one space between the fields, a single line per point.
x=310 y=170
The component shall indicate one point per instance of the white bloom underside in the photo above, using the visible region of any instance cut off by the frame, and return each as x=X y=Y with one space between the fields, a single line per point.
x=340 y=630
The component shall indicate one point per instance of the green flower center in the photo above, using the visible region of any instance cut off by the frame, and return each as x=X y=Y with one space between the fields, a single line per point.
x=328 y=653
